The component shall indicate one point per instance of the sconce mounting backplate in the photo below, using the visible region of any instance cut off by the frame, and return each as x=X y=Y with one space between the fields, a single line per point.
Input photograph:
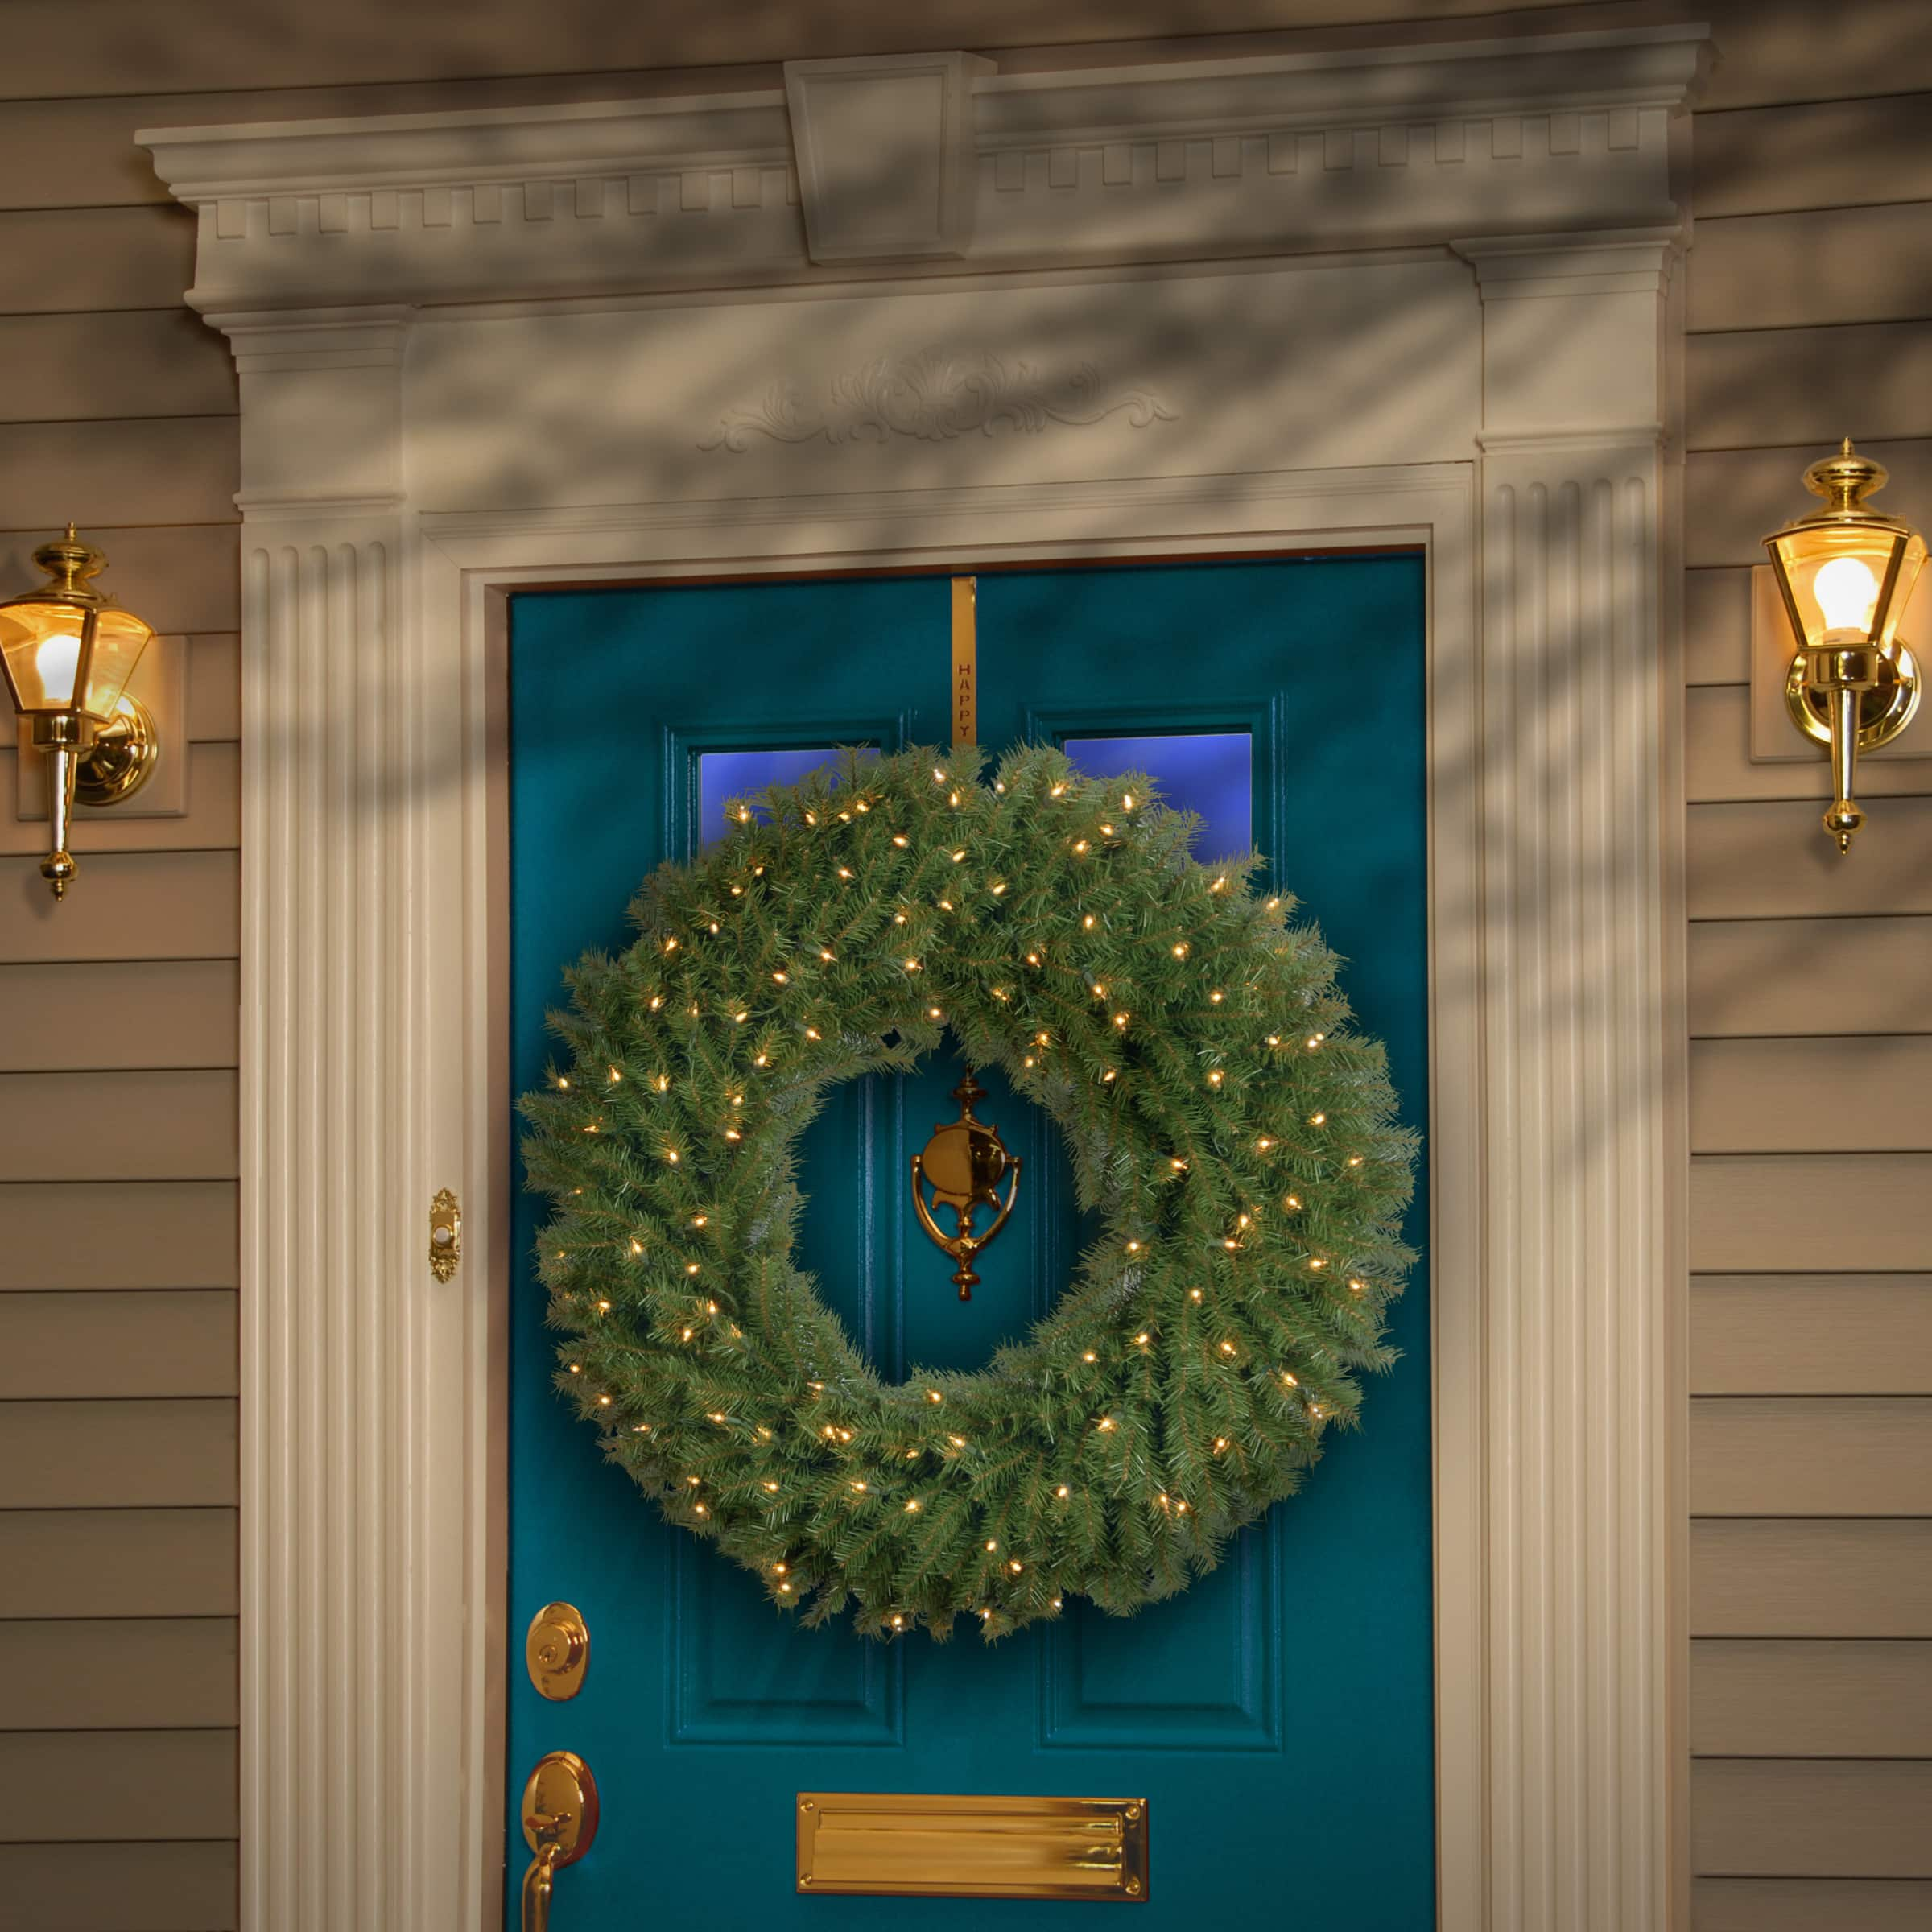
x=125 y=753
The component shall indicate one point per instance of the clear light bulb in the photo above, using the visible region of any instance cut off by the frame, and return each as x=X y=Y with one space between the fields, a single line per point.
x=1846 y=593
x=57 y=660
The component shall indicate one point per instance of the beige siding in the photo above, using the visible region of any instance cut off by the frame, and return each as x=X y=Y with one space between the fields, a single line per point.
x=118 y=1563
x=1773 y=976
x=118 y=1627
x=1810 y=1904
x=1770 y=861
x=1778 y=1576
x=1812 y=269
x=170 y=1125
x=160 y=1013
x=1812 y=1335
x=139 y=362
x=1811 y=1699
x=1867 y=380
x=122 y=1887
x=139 y=906
x=1811 y=1455
x=147 y=1234
x=1809 y=296
x=175 y=1454
x=137 y=1784
x=1816 y=1817
x=157 y=1674
x=1811 y=302
x=90 y=1346
x=1825 y=153
x=1794 y=1096
x=1760 y=1212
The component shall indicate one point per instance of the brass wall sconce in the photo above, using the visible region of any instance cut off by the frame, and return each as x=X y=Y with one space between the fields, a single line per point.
x=1844 y=574
x=68 y=651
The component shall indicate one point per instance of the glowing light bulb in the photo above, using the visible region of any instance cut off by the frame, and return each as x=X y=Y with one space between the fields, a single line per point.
x=1846 y=590
x=58 y=660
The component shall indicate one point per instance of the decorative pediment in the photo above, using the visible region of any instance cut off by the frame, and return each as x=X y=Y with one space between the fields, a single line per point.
x=931 y=161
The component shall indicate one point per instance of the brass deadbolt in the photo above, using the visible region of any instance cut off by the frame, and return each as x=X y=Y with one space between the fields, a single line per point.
x=556 y=1651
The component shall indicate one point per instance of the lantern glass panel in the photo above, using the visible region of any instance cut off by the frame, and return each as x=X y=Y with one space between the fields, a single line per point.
x=43 y=646
x=1834 y=574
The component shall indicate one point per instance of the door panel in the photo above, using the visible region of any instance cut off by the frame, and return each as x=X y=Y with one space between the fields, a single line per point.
x=1278 y=1715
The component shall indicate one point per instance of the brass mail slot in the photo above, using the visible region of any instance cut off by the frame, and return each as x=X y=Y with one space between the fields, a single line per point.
x=914 y=1844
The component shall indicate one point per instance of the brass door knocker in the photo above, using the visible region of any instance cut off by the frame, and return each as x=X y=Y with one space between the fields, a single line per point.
x=964 y=1164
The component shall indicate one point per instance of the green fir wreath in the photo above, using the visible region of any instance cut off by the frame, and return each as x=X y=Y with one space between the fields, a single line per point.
x=1235 y=1141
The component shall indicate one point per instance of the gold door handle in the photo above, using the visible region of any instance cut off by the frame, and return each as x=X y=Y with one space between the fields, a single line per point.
x=539 y=1882
x=559 y=1826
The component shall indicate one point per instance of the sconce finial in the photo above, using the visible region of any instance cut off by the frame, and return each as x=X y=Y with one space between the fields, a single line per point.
x=1845 y=480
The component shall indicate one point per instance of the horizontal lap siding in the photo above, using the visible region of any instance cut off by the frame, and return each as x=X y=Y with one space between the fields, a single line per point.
x=1759 y=978
x=121 y=1887
x=111 y=1564
x=118 y=1607
x=1811 y=1096
x=165 y=1013
x=1812 y=1335
x=1815 y=1817
x=1818 y=1905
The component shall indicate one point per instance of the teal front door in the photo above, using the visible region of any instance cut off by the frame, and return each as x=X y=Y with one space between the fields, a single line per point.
x=1278 y=1717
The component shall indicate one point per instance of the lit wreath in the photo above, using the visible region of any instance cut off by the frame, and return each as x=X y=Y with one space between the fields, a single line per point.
x=1237 y=1141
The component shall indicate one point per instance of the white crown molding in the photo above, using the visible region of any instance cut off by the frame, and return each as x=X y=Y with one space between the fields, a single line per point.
x=1171 y=160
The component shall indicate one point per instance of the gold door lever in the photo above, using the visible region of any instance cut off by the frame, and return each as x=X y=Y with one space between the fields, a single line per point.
x=559 y=1826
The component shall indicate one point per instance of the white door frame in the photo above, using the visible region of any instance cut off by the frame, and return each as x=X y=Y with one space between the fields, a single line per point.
x=1418 y=295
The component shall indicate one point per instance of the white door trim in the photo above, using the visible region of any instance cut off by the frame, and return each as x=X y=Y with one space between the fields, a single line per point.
x=421 y=435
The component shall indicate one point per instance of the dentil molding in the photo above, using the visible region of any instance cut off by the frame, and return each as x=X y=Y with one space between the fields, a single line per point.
x=922 y=164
